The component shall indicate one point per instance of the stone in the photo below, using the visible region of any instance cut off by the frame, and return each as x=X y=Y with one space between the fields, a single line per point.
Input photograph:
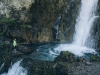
x=21 y=49
x=8 y=6
x=65 y=56
x=88 y=63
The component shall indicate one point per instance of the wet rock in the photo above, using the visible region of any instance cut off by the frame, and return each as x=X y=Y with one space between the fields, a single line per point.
x=65 y=56
x=5 y=48
x=38 y=67
x=88 y=63
x=5 y=65
x=60 y=68
x=80 y=59
x=96 y=29
x=69 y=14
x=24 y=49
x=94 y=58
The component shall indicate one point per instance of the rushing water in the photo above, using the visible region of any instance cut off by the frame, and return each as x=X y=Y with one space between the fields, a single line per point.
x=16 y=69
x=82 y=31
x=45 y=52
x=85 y=21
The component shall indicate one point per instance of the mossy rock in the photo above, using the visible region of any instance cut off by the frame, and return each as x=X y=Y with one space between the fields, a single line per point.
x=65 y=56
x=94 y=58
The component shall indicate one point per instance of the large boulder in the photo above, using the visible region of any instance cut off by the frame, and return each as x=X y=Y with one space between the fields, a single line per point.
x=65 y=56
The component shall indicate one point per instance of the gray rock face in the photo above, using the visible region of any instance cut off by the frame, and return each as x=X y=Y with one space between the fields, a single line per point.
x=15 y=9
x=46 y=13
x=39 y=17
x=96 y=29
x=69 y=14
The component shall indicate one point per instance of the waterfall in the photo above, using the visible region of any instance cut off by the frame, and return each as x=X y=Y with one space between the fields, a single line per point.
x=16 y=69
x=84 y=23
x=55 y=28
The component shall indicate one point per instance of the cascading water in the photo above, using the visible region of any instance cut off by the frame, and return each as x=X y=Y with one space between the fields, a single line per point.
x=85 y=21
x=83 y=26
x=79 y=46
x=56 y=27
x=16 y=69
x=2 y=65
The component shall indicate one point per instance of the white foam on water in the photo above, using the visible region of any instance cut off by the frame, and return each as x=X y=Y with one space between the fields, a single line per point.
x=75 y=49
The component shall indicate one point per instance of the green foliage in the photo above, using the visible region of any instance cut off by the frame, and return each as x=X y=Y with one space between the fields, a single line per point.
x=94 y=58
x=66 y=53
x=7 y=20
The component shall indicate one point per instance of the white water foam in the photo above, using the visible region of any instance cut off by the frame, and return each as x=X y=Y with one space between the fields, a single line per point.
x=83 y=26
x=16 y=69
x=75 y=49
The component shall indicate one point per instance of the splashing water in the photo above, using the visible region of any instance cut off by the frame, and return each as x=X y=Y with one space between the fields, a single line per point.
x=85 y=21
x=16 y=69
x=75 y=49
x=82 y=31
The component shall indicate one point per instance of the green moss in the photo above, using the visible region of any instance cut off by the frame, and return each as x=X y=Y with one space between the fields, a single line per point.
x=93 y=58
x=65 y=53
x=65 y=56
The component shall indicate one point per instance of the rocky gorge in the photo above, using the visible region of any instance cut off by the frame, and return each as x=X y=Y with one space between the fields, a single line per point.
x=42 y=21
